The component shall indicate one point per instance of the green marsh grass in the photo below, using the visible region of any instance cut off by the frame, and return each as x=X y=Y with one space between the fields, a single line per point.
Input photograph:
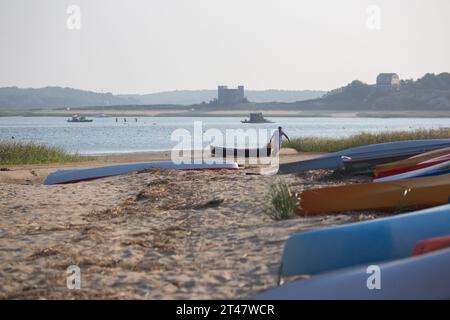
x=16 y=153
x=282 y=204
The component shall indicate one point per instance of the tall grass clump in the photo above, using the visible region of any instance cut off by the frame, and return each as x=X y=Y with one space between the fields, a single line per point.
x=282 y=204
x=315 y=144
x=12 y=153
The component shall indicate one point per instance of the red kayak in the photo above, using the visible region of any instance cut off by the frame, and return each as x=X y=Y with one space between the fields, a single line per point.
x=418 y=166
x=430 y=245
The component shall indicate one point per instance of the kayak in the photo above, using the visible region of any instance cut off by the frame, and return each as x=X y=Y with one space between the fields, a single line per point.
x=412 y=278
x=420 y=165
x=78 y=175
x=431 y=245
x=362 y=243
x=367 y=163
x=335 y=160
x=389 y=196
x=416 y=173
x=410 y=161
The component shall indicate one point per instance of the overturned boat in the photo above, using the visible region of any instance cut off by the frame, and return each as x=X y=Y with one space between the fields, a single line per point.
x=237 y=152
x=404 y=165
x=362 y=243
x=422 y=277
x=78 y=175
x=370 y=155
x=389 y=196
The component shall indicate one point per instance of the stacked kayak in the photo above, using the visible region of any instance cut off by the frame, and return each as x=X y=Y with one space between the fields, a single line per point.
x=431 y=245
x=335 y=160
x=78 y=175
x=423 y=277
x=362 y=243
x=420 y=165
x=390 y=196
x=393 y=167
x=436 y=169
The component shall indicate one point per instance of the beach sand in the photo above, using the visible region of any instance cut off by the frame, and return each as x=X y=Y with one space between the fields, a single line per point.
x=152 y=235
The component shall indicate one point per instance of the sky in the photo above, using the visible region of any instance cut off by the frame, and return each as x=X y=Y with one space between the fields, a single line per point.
x=145 y=46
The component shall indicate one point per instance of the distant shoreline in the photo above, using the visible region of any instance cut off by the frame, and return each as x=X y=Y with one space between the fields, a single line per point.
x=225 y=113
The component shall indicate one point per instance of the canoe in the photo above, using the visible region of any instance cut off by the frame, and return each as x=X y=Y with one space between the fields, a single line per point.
x=412 y=278
x=410 y=161
x=390 y=196
x=362 y=243
x=334 y=160
x=366 y=163
x=412 y=167
x=78 y=175
x=416 y=173
x=236 y=152
x=431 y=245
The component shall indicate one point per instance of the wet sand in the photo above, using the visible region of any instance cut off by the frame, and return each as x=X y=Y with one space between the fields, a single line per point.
x=152 y=235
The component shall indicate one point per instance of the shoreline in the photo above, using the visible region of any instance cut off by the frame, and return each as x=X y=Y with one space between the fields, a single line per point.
x=36 y=173
x=233 y=113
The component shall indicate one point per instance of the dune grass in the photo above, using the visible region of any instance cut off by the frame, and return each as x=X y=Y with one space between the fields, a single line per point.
x=14 y=153
x=282 y=204
x=314 y=144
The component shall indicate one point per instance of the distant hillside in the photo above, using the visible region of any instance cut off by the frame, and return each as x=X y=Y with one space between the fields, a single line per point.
x=431 y=92
x=57 y=97
x=189 y=97
x=53 y=97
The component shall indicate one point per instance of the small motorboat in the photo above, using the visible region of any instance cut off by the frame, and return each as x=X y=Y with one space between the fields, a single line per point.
x=77 y=118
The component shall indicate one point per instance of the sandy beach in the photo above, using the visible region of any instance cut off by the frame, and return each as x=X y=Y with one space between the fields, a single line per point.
x=151 y=235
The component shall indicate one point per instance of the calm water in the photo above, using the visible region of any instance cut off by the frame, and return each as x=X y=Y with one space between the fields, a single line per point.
x=104 y=135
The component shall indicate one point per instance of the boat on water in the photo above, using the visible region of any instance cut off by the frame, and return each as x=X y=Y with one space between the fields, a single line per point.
x=412 y=278
x=77 y=118
x=256 y=117
x=362 y=243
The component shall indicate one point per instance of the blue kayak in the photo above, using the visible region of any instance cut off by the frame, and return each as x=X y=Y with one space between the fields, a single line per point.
x=412 y=278
x=328 y=249
x=78 y=175
x=335 y=160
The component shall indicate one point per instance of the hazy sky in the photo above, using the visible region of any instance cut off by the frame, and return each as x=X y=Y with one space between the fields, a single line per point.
x=143 y=46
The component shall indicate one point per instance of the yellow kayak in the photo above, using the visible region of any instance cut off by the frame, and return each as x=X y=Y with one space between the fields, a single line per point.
x=399 y=195
x=379 y=169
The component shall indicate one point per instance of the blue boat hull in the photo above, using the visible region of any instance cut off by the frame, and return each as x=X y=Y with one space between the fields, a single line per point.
x=334 y=160
x=421 y=277
x=328 y=249
x=72 y=176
